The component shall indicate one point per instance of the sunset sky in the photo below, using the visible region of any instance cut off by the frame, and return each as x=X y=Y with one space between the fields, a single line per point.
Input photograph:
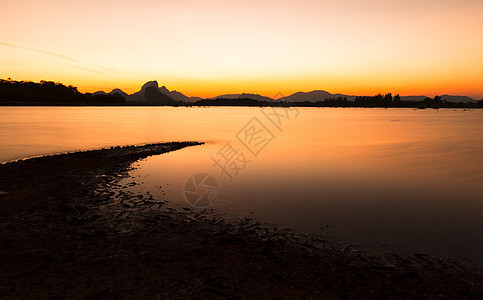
x=206 y=48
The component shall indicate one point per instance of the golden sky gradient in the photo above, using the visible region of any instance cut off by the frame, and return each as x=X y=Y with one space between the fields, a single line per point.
x=206 y=48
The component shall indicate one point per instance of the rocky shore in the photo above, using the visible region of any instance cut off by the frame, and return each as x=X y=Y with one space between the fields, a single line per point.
x=67 y=229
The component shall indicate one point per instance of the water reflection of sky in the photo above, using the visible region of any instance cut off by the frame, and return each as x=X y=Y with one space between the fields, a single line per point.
x=408 y=179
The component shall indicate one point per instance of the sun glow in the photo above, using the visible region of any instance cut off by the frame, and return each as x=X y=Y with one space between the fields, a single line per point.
x=205 y=48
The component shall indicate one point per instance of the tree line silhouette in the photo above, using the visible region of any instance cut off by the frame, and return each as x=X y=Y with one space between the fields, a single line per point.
x=50 y=93
x=378 y=100
x=55 y=93
x=388 y=100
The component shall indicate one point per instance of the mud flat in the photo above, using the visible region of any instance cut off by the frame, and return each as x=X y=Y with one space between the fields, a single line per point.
x=67 y=229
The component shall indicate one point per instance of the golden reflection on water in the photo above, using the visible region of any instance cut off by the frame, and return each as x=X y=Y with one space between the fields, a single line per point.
x=403 y=177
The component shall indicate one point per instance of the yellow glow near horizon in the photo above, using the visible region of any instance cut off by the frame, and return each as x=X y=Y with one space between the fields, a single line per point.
x=206 y=48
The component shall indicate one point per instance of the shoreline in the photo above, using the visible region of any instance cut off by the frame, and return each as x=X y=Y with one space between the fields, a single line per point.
x=65 y=233
x=143 y=150
x=188 y=105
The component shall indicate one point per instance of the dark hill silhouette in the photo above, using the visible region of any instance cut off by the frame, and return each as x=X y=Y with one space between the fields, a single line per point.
x=379 y=100
x=319 y=95
x=180 y=97
x=299 y=97
x=114 y=91
x=118 y=91
x=154 y=96
x=457 y=99
x=229 y=102
x=139 y=96
x=51 y=93
x=314 y=96
x=242 y=96
x=448 y=98
x=225 y=96
x=254 y=97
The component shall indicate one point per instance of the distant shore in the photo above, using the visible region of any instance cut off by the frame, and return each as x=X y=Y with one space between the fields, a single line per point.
x=48 y=93
x=231 y=104
x=65 y=233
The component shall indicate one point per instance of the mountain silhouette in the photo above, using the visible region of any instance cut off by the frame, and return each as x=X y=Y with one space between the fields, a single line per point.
x=255 y=97
x=448 y=98
x=242 y=96
x=114 y=91
x=54 y=93
x=118 y=91
x=312 y=96
x=320 y=95
x=139 y=96
x=458 y=99
x=153 y=95
x=225 y=96
x=180 y=97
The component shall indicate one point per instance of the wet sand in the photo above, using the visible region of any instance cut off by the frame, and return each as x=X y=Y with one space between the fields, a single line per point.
x=65 y=233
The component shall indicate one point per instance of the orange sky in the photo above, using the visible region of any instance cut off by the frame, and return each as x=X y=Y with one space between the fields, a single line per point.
x=206 y=48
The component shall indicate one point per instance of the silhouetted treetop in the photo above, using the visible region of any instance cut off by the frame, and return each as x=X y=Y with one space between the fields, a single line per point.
x=49 y=92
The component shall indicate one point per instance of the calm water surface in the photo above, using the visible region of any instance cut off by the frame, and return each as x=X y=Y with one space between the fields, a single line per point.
x=400 y=180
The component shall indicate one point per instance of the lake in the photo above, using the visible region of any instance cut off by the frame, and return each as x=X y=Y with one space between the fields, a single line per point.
x=401 y=180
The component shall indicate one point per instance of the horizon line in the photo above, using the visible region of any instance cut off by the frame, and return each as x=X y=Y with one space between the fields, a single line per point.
x=94 y=90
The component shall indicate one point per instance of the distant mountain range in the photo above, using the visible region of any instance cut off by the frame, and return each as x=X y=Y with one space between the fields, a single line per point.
x=314 y=96
x=449 y=98
x=151 y=93
x=242 y=96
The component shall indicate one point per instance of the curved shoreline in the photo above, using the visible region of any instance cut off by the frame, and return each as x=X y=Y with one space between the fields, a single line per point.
x=64 y=232
x=141 y=150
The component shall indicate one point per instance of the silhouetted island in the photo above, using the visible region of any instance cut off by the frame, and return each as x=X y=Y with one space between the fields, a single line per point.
x=48 y=93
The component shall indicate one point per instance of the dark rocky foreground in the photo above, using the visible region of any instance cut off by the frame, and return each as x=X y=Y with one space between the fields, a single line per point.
x=65 y=233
